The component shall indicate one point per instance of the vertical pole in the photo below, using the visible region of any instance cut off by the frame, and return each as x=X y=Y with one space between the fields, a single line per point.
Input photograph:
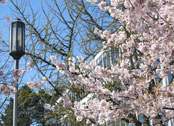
x=15 y=102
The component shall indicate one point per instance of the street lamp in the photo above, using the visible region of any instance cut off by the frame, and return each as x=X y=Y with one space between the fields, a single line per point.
x=17 y=50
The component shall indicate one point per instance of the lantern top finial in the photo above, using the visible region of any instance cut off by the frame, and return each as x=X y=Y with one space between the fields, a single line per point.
x=17 y=20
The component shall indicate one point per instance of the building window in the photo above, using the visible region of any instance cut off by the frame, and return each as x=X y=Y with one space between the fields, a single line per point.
x=108 y=60
x=170 y=78
x=114 y=54
x=99 y=63
x=117 y=52
x=105 y=60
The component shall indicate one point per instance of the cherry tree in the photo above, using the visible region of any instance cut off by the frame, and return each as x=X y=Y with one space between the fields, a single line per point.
x=145 y=41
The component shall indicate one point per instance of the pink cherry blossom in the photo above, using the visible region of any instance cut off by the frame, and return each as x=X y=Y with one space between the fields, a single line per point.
x=3 y=2
x=139 y=83
x=7 y=18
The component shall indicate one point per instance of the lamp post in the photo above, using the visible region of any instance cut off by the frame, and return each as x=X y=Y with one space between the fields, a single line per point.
x=17 y=50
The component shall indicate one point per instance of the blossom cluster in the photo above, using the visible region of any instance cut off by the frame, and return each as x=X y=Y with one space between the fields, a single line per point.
x=5 y=88
x=36 y=84
x=8 y=89
x=145 y=40
x=7 y=18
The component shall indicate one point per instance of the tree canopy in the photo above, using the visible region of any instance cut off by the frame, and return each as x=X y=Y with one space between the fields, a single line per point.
x=144 y=68
x=142 y=31
x=30 y=108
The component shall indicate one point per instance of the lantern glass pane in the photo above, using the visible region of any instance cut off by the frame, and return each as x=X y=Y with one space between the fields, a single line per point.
x=19 y=37
x=23 y=37
x=13 y=37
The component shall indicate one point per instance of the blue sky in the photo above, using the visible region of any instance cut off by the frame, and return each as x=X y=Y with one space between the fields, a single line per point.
x=6 y=10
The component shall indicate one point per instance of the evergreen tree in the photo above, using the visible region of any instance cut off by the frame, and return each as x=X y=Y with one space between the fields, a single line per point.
x=30 y=108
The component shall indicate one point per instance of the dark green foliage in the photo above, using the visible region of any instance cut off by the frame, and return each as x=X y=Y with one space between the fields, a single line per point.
x=30 y=108
x=6 y=119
